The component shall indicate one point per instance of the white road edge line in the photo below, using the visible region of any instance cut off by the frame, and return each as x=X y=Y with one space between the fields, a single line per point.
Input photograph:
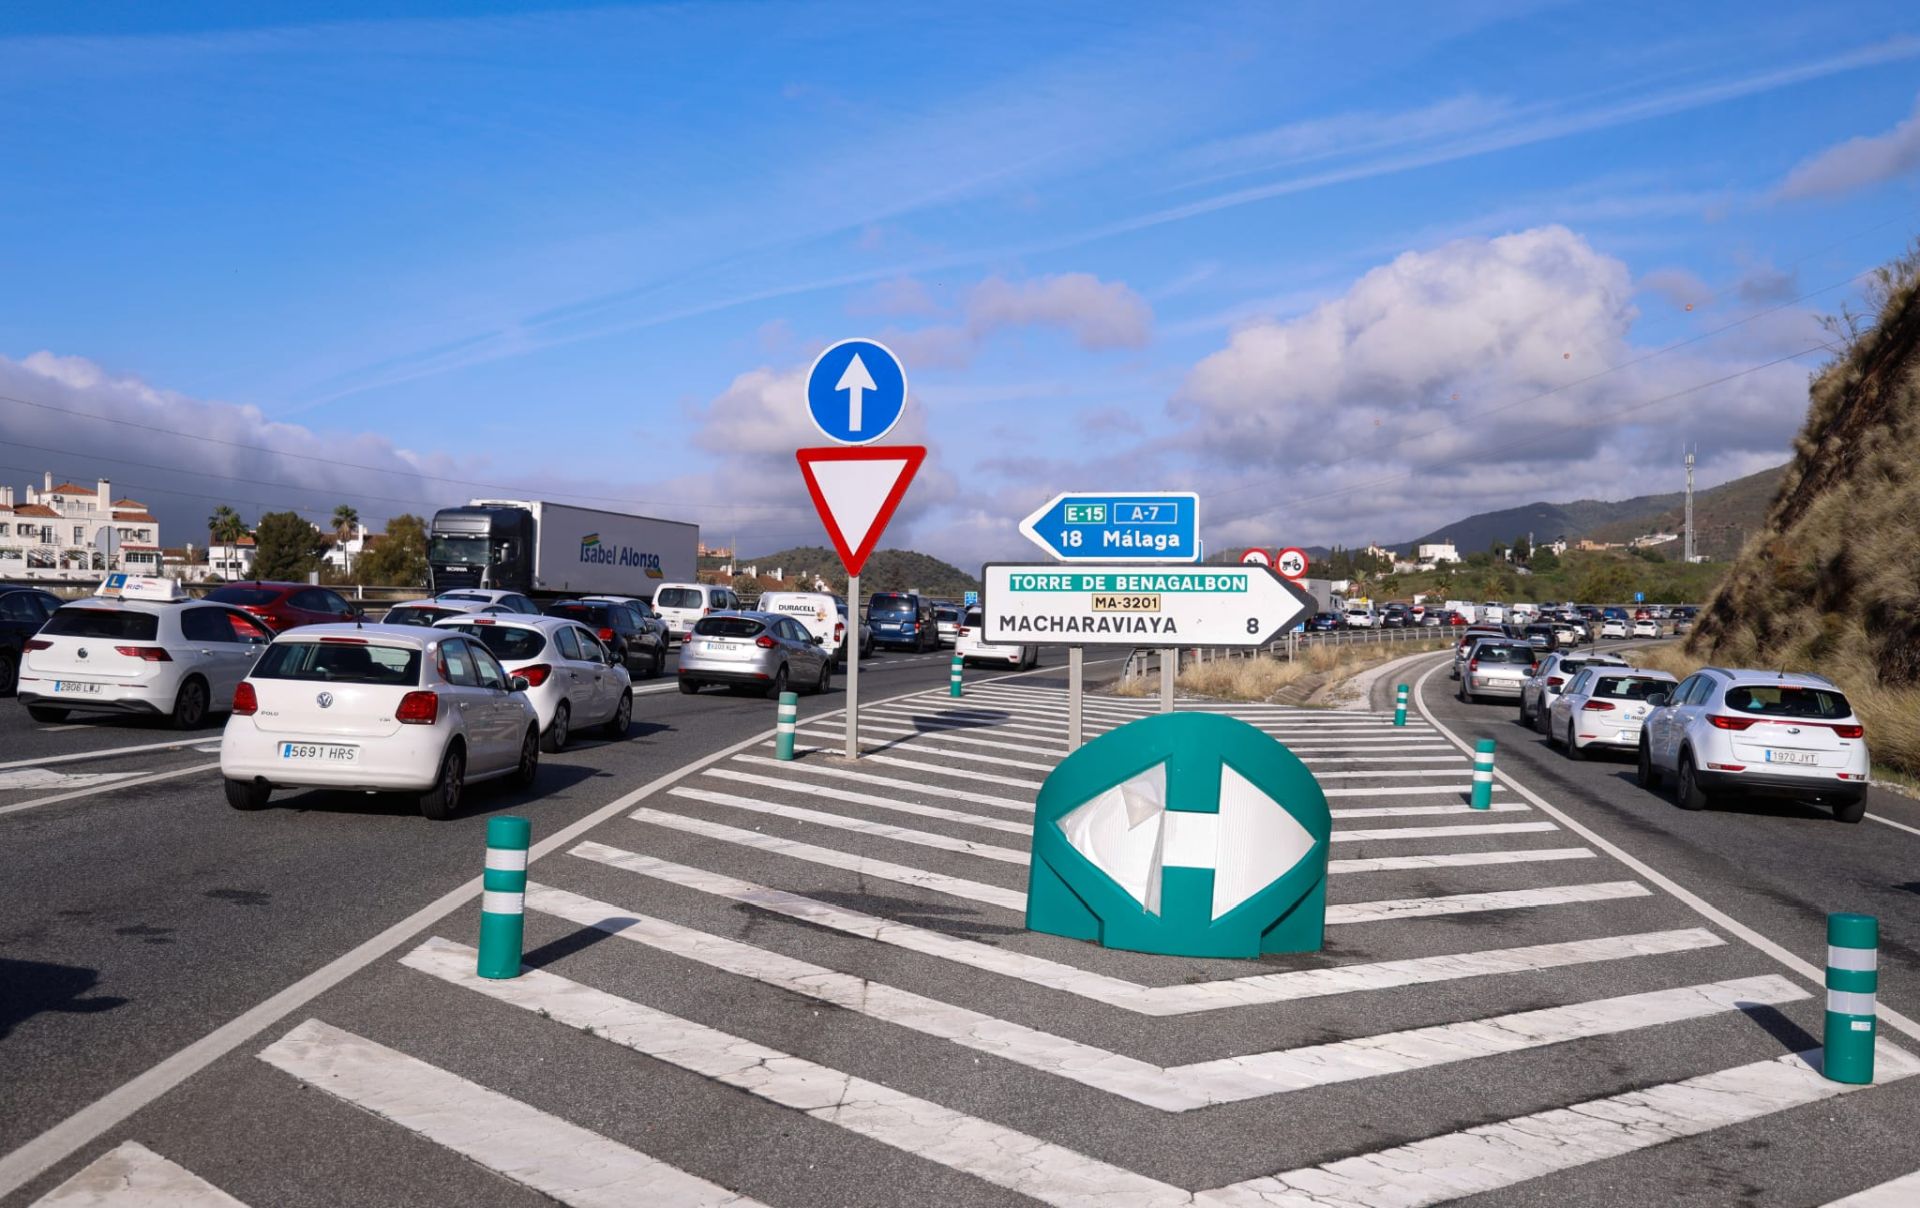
x=1813 y=973
x=101 y=753
x=55 y=1144
x=1902 y=1192
x=96 y=790
x=132 y=1176
x=1911 y=830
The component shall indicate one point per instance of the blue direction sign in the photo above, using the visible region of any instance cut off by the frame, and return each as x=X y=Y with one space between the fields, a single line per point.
x=969 y=599
x=856 y=391
x=1109 y=526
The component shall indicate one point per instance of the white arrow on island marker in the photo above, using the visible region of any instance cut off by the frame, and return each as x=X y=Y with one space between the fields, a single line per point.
x=855 y=380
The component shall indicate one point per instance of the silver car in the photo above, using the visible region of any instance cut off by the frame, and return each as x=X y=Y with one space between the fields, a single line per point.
x=1497 y=667
x=1551 y=678
x=760 y=650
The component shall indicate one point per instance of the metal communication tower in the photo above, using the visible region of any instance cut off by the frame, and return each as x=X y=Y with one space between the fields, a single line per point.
x=1688 y=554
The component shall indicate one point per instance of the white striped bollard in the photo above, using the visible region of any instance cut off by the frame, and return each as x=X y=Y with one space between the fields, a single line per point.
x=786 y=720
x=1400 y=705
x=1853 y=979
x=1483 y=774
x=503 y=896
x=953 y=677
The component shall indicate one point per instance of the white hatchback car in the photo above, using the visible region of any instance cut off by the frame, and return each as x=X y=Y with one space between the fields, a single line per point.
x=512 y=601
x=1646 y=629
x=572 y=680
x=438 y=609
x=378 y=708
x=1604 y=707
x=140 y=646
x=970 y=645
x=1613 y=628
x=1758 y=733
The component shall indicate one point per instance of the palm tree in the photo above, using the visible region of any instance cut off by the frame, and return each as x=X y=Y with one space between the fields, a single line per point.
x=346 y=522
x=225 y=527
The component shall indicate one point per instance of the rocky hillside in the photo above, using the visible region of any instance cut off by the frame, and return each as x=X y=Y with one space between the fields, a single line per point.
x=1832 y=581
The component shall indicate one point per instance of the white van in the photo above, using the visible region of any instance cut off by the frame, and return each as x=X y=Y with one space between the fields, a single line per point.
x=817 y=612
x=1360 y=617
x=1493 y=613
x=1466 y=609
x=681 y=604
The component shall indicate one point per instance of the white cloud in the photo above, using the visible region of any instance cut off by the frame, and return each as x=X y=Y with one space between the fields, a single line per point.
x=1100 y=314
x=1679 y=288
x=896 y=297
x=1858 y=162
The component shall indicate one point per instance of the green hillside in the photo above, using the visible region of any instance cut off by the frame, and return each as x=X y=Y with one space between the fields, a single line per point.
x=886 y=570
x=1723 y=516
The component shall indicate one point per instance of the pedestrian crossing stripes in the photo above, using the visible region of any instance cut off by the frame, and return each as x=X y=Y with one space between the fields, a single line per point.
x=132 y=1176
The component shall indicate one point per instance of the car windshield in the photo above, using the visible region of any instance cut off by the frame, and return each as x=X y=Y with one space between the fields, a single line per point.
x=679 y=597
x=256 y=596
x=417 y=615
x=340 y=662
x=727 y=627
x=890 y=604
x=1789 y=700
x=509 y=643
x=470 y=550
x=102 y=623
x=1489 y=653
x=1628 y=687
x=974 y=619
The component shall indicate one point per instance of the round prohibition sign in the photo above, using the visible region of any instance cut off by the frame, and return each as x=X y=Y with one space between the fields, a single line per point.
x=1256 y=557
x=1291 y=563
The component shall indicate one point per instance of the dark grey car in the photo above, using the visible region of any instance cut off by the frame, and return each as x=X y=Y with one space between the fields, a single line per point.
x=764 y=650
x=1497 y=667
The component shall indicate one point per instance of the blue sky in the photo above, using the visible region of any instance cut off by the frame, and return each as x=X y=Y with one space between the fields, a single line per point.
x=1350 y=271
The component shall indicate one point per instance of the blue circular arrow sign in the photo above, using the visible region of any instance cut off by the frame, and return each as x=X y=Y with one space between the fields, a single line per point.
x=856 y=391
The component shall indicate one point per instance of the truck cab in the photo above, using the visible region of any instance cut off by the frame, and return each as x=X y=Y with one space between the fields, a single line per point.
x=481 y=545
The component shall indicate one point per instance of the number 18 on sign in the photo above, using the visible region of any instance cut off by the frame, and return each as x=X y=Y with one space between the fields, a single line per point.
x=1147 y=526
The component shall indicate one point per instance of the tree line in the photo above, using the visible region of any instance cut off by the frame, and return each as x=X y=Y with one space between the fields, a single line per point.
x=288 y=547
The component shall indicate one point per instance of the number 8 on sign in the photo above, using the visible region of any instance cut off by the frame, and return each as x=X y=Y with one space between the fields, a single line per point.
x=1291 y=562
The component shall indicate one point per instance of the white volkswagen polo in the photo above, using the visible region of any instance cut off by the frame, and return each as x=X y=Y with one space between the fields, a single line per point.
x=572 y=680
x=378 y=708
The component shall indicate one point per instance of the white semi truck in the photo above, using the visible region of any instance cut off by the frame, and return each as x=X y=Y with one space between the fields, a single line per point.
x=556 y=549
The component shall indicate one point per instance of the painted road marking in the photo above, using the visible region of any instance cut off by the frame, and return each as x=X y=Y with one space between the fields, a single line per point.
x=127 y=783
x=1473 y=903
x=1183 y=1087
x=856 y=798
x=999 y=1155
x=1442 y=832
x=815 y=768
x=101 y=753
x=1903 y=1192
x=878 y=830
x=1407 y=790
x=1410 y=811
x=1499 y=1155
x=132 y=1176
x=1151 y=1000
x=510 y=1138
x=1461 y=859
x=45 y=778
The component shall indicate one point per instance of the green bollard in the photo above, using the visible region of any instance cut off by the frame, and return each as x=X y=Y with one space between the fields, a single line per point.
x=786 y=721
x=1483 y=774
x=503 y=897
x=1853 y=977
x=1400 y=705
x=953 y=678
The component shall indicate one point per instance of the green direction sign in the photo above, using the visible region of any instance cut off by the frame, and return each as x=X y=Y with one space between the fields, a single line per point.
x=1188 y=834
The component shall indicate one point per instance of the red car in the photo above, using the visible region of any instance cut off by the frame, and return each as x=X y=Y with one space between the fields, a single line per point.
x=285 y=606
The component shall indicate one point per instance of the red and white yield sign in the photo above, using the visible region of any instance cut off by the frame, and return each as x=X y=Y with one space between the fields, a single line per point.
x=1291 y=562
x=1256 y=557
x=856 y=489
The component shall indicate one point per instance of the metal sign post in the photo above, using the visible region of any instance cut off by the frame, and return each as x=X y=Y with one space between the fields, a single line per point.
x=853 y=666
x=1169 y=671
x=1076 y=671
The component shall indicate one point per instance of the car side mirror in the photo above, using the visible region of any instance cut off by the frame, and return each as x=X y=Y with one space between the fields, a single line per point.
x=1657 y=700
x=817 y=640
x=518 y=684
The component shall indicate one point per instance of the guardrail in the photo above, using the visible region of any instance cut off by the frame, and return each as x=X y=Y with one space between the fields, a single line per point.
x=1145 y=663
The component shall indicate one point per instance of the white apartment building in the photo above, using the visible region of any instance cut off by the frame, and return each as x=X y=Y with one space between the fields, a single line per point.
x=68 y=530
x=1436 y=553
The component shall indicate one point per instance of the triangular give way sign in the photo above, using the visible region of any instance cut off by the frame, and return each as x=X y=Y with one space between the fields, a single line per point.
x=856 y=488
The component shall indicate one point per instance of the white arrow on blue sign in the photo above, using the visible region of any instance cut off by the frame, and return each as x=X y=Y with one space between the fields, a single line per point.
x=1108 y=526
x=856 y=391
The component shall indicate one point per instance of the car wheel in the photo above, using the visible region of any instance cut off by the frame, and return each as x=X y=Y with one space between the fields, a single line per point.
x=689 y=687
x=51 y=714
x=558 y=730
x=825 y=682
x=440 y=801
x=1687 y=793
x=9 y=674
x=1552 y=741
x=616 y=727
x=247 y=794
x=659 y=662
x=779 y=683
x=1850 y=811
x=1542 y=722
x=528 y=769
x=1573 y=745
x=1526 y=718
x=1035 y=660
x=190 y=706
x=1646 y=775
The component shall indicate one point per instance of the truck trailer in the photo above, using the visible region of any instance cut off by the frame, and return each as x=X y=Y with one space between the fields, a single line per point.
x=556 y=549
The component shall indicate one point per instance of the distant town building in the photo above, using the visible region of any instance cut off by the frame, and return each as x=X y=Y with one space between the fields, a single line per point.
x=1646 y=539
x=715 y=551
x=1436 y=553
x=66 y=530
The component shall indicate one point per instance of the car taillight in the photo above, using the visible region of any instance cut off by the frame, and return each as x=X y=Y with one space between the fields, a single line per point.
x=606 y=635
x=1533 y=669
x=1473 y=664
x=840 y=633
x=1597 y=706
x=1850 y=731
x=418 y=709
x=536 y=674
x=35 y=644
x=1721 y=722
x=765 y=642
x=1554 y=681
x=146 y=654
x=961 y=632
x=245 y=703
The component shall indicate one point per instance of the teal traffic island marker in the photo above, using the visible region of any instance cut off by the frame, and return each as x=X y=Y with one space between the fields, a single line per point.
x=1853 y=980
x=1400 y=705
x=503 y=896
x=1482 y=775
x=953 y=677
x=1187 y=834
x=786 y=721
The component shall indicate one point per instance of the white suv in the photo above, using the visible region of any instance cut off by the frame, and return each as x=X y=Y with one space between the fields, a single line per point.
x=1763 y=733
x=970 y=644
x=681 y=604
